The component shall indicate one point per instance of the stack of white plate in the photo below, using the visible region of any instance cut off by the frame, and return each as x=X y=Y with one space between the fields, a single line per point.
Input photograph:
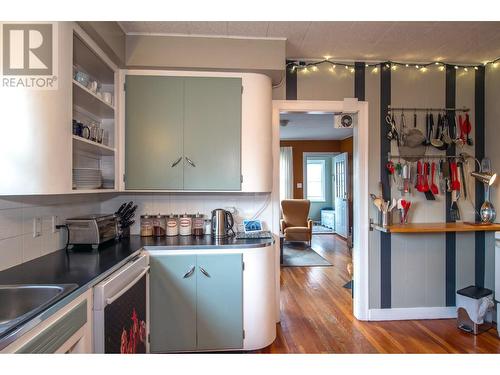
x=87 y=178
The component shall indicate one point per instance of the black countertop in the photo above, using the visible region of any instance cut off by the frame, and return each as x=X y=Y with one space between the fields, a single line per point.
x=84 y=267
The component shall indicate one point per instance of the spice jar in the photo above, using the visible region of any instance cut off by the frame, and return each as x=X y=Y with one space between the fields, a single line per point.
x=146 y=226
x=172 y=225
x=208 y=226
x=198 y=225
x=159 y=226
x=185 y=225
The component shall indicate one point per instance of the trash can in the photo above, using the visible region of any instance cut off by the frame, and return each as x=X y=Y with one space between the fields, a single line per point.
x=475 y=308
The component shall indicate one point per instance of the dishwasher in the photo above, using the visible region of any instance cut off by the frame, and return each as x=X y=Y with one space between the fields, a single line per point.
x=121 y=312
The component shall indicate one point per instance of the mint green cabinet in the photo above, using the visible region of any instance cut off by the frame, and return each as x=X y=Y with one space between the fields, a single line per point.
x=172 y=303
x=219 y=302
x=196 y=302
x=153 y=132
x=183 y=133
x=212 y=133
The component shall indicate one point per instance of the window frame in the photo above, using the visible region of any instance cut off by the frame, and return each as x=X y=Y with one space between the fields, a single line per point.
x=322 y=198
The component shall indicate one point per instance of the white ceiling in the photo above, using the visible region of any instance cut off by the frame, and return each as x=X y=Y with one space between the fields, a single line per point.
x=307 y=126
x=459 y=42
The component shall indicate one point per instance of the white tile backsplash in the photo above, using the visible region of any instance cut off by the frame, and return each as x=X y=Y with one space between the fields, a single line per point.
x=17 y=244
x=245 y=204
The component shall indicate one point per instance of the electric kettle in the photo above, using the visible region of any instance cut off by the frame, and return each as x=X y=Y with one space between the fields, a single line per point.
x=222 y=223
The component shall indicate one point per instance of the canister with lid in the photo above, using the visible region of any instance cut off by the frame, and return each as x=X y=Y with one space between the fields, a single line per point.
x=146 y=226
x=198 y=225
x=159 y=225
x=185 y=225
x=172 y=225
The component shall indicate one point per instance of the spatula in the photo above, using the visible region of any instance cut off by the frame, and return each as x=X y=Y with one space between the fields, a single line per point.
x=426 y=189
x=434 y=187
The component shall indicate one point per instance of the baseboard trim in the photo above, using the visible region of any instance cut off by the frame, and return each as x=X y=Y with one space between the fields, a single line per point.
x=412 y=313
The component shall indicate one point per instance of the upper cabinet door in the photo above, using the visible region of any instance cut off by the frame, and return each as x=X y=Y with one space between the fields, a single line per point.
x=212 y=133
x=153 y=132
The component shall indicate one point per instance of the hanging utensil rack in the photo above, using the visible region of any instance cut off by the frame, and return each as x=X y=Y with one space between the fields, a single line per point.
x=430 y=156
x=421 y=109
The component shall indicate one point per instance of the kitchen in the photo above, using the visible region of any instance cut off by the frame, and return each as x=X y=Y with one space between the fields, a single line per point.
x=151 y=223
x=166 y=255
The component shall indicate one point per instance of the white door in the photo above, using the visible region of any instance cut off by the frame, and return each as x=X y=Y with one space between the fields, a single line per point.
x=340 y=194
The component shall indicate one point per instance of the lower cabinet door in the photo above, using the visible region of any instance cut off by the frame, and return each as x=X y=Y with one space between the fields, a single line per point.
x=172 y=303
x=220 y=301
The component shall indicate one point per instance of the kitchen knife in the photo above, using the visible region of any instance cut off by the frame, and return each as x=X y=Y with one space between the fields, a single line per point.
x=127 y=208
x=129 y=214
x=120 y=210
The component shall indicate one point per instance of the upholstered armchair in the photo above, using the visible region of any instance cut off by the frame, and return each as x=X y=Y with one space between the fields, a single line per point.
x=296 y=225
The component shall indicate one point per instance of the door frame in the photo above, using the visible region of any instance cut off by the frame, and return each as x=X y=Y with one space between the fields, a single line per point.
x=360 y=188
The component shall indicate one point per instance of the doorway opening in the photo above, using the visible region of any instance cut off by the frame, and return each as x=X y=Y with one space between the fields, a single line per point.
x=314 y=166
x=323 y=178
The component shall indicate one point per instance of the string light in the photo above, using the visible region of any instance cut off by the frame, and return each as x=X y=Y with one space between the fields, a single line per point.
x=393 y=65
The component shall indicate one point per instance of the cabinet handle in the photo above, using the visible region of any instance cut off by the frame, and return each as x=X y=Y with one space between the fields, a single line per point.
x=190 y=162
x=176 y=162
x=189 y=273
x=204 y=272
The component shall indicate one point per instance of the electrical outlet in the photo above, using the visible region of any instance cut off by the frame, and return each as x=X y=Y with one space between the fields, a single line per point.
x=37 y=227
x=55 y=222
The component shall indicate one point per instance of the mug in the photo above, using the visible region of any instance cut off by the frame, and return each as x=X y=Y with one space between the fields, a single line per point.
x=85 y=132
x=93 y=86
x=107 y=97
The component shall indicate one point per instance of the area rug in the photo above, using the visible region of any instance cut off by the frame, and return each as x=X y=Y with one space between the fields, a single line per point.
x=299 y=254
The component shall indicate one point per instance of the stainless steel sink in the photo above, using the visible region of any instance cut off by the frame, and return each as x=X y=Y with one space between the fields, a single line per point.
x=19 y=302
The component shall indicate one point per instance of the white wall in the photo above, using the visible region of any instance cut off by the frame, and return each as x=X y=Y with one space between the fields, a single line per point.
x=17 y=244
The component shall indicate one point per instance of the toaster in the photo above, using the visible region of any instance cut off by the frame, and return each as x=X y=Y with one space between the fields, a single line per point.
x=92 y=230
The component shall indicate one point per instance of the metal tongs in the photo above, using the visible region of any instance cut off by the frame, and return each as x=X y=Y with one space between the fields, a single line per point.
x=393 y=133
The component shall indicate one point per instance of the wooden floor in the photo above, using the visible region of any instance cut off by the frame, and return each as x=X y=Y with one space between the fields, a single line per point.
x=316 y=317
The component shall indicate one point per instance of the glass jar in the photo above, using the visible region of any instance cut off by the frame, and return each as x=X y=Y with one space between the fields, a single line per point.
x=146 y=226
x=198 y=225
x=172 y=225
x=185 y=225
x=159 y=226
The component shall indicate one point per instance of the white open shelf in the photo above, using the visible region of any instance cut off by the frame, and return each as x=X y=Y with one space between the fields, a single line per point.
x=89 y=101
x=86 y=145
x=89 y=108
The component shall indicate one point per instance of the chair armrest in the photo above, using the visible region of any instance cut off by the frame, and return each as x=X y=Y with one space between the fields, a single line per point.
x=310 y=224
x=282 y=226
